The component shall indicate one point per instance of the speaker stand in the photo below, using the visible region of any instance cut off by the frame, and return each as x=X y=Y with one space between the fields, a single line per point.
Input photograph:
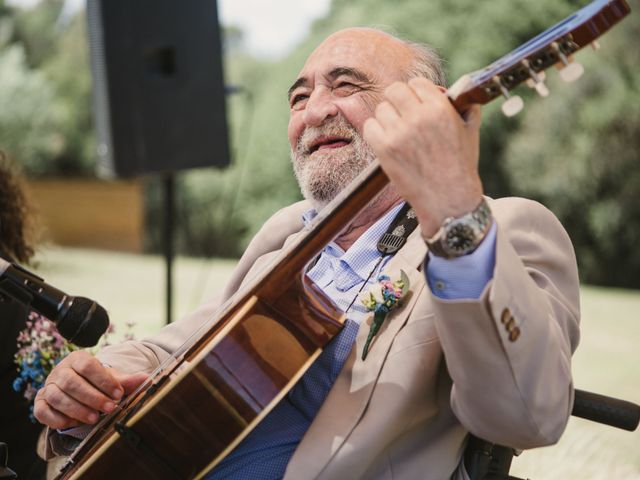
x=168 y=183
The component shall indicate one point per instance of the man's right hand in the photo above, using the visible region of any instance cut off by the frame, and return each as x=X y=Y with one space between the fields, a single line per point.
x=79 y=389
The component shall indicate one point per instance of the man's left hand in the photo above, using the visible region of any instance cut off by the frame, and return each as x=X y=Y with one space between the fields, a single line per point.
x=428 y=150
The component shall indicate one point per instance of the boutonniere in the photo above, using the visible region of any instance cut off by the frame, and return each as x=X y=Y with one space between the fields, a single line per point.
x=381 y=299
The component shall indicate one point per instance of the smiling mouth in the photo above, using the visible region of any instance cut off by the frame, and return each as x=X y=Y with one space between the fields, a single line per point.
x=328 y=143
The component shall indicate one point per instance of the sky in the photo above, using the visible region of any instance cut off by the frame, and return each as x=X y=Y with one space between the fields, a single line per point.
x=272 y=28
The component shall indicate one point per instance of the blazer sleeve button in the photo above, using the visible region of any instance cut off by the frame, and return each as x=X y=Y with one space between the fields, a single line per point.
x=514 y=334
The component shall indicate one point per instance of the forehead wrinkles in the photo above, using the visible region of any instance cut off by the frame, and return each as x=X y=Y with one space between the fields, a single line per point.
x=378 y=55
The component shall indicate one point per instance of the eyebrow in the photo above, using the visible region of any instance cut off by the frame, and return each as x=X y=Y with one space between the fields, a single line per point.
x=299 y=82
x=333 y=74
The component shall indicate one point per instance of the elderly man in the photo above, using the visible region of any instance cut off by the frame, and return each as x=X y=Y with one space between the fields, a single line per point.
x=484 y=343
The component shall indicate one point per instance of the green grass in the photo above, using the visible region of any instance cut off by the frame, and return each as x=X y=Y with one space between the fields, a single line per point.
x=607 y=361
x=132 y=287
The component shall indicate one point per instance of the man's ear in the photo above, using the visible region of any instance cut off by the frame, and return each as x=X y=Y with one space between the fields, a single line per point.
x=442 y=89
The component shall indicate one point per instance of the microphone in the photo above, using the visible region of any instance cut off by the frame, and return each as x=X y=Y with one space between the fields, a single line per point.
x=78 y=319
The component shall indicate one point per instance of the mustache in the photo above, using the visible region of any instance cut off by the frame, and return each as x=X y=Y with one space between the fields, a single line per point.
x=337 y=127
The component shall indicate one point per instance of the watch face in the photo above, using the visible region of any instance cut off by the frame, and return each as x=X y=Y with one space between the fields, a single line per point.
x=460 y=238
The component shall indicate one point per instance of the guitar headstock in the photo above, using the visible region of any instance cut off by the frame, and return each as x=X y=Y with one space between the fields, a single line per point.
x=527 y=63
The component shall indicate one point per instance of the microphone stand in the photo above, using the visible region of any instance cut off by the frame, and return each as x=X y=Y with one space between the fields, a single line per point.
x=12 y=303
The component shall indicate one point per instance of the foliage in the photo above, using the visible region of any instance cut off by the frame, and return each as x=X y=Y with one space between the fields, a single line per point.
x=579 y=154
x=38 y=29
x=27 y=131
x=68 y=70
x=46 y=84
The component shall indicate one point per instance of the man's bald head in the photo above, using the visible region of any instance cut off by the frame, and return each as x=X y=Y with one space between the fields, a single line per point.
x=337 y=90
x=425 y=61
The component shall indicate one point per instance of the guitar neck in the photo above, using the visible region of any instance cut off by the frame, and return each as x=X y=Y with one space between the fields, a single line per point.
x=527 y=63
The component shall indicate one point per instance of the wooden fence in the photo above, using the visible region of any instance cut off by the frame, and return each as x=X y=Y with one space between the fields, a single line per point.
x=91 y=213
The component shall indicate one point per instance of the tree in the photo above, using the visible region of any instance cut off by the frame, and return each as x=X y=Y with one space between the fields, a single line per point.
x=27 y=132
x=579 y=154
x=47 y=123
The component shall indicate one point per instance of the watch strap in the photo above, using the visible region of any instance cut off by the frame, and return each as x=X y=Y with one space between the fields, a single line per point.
x=460 y=236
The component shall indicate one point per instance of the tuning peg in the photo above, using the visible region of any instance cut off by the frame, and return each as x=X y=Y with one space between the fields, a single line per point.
x=539 y=87
x=570 y=71
x=536 y=80
x=513 y=104
x=595 y=45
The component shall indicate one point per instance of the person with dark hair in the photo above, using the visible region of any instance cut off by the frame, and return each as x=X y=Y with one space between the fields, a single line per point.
x=16 y=224
x=16 y=245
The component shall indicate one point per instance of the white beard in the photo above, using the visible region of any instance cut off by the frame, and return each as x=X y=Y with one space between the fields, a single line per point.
x=324 y=173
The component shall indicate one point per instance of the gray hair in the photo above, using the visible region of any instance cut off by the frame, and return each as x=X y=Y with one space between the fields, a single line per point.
x=427 y=63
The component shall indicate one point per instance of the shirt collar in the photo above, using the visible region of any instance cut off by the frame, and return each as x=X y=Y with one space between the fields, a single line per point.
x=362 y=256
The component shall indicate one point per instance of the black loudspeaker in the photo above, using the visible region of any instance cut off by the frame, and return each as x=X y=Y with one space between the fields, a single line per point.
x=158 y=88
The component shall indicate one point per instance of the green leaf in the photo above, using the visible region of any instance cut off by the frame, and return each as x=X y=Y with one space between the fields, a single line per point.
x=406 y=284
x=378 y=319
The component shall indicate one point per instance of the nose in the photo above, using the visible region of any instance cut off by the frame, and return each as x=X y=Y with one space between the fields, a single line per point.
x=319 y=107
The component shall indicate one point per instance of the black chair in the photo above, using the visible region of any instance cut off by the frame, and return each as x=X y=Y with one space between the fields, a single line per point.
x=5 y=472
x=489 y=461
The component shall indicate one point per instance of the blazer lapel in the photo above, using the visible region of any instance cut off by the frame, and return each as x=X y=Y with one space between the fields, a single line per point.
x=350 y=394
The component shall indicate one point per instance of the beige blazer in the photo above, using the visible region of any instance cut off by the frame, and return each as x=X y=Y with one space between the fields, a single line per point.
x=498 y=366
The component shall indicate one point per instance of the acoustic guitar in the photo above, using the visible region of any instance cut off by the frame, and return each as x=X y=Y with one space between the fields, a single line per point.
x=200 y=404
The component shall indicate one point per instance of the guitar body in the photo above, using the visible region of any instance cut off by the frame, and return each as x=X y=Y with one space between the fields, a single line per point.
x=201 y=408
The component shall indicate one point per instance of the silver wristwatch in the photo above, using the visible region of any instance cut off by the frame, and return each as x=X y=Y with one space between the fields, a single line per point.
x=462 y=235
